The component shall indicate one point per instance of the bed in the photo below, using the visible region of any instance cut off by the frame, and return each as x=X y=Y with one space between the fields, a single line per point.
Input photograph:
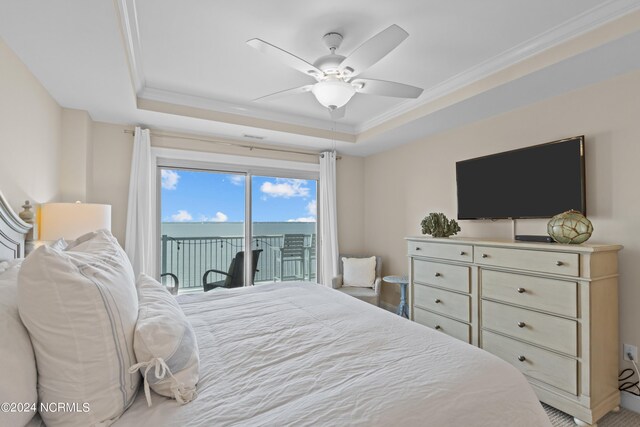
x=300 y=354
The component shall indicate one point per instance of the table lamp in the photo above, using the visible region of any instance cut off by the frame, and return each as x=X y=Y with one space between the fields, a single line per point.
x=71 y=220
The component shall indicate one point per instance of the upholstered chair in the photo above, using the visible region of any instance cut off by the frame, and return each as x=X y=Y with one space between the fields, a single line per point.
x=368 y=294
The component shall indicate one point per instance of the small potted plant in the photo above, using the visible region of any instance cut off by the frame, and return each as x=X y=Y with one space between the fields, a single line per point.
x=438 y=225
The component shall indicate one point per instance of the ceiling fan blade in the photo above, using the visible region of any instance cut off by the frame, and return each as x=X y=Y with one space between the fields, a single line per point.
x=285 y=57
x=283 y=93
x=373 y=50
x=385 y=88
x=338 y=113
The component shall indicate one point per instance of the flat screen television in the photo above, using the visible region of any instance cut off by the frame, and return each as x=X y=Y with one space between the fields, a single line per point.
x=534 y=182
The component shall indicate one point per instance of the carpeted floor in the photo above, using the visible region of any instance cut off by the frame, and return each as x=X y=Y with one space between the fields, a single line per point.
x=624 y=418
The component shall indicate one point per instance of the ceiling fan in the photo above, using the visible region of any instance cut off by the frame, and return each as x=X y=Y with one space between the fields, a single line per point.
x=336 y=75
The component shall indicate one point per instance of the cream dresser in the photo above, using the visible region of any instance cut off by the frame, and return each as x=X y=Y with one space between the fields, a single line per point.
x=550 y=310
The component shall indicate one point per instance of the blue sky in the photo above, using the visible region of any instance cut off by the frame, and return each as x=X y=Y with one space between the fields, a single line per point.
x=193 y=196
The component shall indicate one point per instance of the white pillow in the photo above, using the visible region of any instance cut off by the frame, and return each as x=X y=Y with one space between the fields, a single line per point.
x=60 y=244
x=359 y=272
x=80 y=308
x=19 y=376
x=165 y=344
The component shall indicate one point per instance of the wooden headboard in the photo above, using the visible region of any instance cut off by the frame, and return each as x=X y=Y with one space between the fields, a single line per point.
x=12 y=232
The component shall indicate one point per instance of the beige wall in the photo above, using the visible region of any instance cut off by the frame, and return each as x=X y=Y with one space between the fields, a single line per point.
x=76 y=155
x=110 y=166
x=30 y=135
x=350 y=200
x=405 y=184
x=112 y=162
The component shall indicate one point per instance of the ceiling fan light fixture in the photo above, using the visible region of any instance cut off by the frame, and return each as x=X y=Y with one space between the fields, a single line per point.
x=333 y=93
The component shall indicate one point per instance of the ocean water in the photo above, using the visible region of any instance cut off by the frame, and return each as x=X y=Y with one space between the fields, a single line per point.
x=189 y=249
x=226 y=229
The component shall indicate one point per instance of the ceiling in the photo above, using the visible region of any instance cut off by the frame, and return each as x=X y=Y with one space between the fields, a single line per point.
x=184 y=65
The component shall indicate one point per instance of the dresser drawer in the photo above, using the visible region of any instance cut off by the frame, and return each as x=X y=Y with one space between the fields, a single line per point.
x=543 y=365
x=523 y=259
x=454 y=277
x=543 y=329
x=456 y=252
x=555 y=296
x=443 y=302
x=450 y=327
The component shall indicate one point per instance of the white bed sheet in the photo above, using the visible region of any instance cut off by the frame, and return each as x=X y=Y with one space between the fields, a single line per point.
x=302 y=354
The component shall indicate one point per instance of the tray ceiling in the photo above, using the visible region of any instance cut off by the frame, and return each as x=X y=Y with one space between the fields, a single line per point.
x=143 y=61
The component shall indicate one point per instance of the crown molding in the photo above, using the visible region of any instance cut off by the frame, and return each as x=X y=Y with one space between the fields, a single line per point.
x=581 y=24
x=131 y=36
x=171 y=97
x=240 y=120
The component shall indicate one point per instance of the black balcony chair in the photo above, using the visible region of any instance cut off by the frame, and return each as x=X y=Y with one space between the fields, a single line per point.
x=176 y=283
x=235 y=276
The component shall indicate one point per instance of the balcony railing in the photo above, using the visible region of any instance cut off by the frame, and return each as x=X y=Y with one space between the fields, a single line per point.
x=189 y=257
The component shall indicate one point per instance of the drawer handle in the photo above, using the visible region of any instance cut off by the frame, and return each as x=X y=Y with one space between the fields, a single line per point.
x=521 y=290
x=559 y=263
x=437 y=301
x=521 y=324
x=463 y=253
x=418 y=248
x=485 y=256
x=438 y=274
x=438 y=327
x=522 y=358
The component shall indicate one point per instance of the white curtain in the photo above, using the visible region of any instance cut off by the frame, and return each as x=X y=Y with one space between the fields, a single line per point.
x=140 y=240
x=328 y=218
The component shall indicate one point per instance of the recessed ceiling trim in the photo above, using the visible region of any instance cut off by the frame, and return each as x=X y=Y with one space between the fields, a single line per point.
x=236 y=119
x=581 y=24
x=131 y=35
x=254 y=112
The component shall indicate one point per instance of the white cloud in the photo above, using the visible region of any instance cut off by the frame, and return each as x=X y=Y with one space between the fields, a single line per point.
x=284 y=187
x=182 y=216
x=237 y=180
x=220 y=217
x=312 y=208
x=169 y=179
x=303 y=219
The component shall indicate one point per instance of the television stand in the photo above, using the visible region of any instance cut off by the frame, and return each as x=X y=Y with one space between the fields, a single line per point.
x=549 y=310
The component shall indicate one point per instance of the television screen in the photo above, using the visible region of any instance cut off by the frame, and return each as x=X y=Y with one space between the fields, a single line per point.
x=533 y=182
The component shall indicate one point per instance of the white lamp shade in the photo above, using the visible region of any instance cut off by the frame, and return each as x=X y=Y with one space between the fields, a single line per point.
x=71 y=220
x=333 y=93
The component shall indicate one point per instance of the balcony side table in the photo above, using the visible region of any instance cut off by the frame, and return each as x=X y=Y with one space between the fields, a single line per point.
x=403 y=281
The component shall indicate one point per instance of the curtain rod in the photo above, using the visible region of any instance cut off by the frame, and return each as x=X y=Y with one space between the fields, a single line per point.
x=231 y=144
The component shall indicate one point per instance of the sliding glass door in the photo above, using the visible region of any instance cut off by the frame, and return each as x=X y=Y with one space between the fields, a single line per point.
x=283 y=215
x=202 y=228
x=207 y=243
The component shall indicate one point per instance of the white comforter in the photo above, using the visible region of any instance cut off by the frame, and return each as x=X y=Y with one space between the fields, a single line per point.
x=301 y=354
